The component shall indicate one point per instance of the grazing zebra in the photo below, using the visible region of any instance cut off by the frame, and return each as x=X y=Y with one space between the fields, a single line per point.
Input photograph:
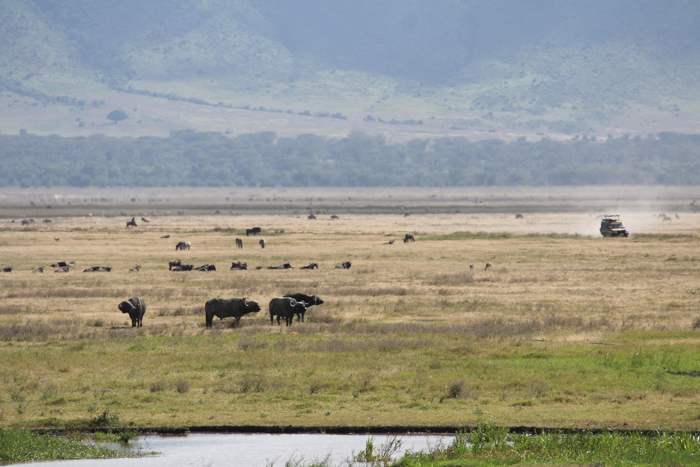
x=262 y=243
x=239 y=243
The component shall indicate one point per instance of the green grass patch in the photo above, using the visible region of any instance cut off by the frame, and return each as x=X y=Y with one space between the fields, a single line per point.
x=24 y=446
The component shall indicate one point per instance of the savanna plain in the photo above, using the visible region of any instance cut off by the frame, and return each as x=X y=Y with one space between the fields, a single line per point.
x=566 y=329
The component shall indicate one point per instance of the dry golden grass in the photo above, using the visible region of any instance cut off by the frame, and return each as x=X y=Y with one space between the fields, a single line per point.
x=410 y=333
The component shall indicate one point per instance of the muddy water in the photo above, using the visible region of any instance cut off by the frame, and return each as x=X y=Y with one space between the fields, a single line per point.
x=203 y=449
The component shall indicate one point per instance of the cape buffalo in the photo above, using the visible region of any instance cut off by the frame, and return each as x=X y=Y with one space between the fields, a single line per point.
x=254 y=231
x=229 y=307
x=136 y=308
x=285 y=307
x=307 y=300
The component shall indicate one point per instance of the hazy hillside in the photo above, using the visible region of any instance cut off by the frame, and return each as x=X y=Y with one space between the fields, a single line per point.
x=504 y=68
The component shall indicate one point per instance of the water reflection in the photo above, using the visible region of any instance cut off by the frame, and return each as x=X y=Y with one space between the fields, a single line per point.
x=203 y=449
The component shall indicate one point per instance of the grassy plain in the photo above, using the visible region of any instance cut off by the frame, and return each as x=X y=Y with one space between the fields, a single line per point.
x=567 y=329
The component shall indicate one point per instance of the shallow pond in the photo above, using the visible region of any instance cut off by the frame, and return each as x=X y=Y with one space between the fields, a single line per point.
x=206 y=449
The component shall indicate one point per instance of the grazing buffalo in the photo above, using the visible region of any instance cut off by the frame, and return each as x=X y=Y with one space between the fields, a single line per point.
x=184 y=245
x=239 y=265
x=282 y=266
x=239 y=243
x=136 y=308
x=262 y=243
x=344 y=265
x=409 y=238
x=174 y=263
x=183 y=267
x=254 y=231
x=310 y=266
x=131 y=223
x=285 y=307
x=307 y=300
x=206 y=268
x=229 y=307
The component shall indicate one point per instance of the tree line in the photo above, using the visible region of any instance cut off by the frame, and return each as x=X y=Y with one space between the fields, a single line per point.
x=189 y=158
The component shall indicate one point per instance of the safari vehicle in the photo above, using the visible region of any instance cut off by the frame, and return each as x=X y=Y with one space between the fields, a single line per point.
x=611 y=226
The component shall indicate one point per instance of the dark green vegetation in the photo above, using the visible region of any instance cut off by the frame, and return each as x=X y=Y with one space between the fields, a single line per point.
x=23 y=446
x=491 y=445
x=571 y=67
x=210 y=159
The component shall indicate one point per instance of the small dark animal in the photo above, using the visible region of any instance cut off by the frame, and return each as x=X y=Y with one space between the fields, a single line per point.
x=7 y=269
x=254 y=231
x=206 y=268
x=307 y=300
x=311 y=216
x=310 y=266
x=471 y=267
x=283 y=266
x=407 y=214
x=239 y=243
x=166 y=236
x=344 y=265
x=183 y=267
x=40 y=269
x=136 y=268
x=229 y=308
x=136 y=308
x=488 y=266
x=285 y=307
x=63 y=264
x=27 y=221
x=145 y=220
x=519 y=216
x=390 y=242
x=262 y=243
x=131 y=223
x=666 y=218
x=183 y=245
x=409 y=238
x=57 y=239
x=239 y=265
x=174 y=263
x=46 y=221
x=334 y=217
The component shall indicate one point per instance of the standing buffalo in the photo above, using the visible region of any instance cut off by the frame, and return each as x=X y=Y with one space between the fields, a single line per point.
x=183 y=245
x=239 y=243
x=136 y=308
x=229 y=307
x=285 y=307
x=262 y=243
x=254 y=231
x=307 y=300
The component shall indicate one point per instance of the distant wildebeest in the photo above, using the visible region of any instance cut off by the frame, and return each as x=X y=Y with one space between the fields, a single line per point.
x=334 y=217
x=57 y=239
x=46 y=221
x=409 y=238
x=27 y=221
x=471 y=267
x=183 y=267
x=145 y=220
x=283 y=266
x=344 y=265
x=98 y=269
x=390 y=242
x=311 y=216
x=488 y=266
x=206 y=268
x=166 y=236
x=136 y=307
x=131 y=223
x=285 y=307
x=519 y=216
x=40 y=270
x=63 y=269
x=254 y=231
x=666 y=218
x=174 y=263
x=310 y=266
x=184 y=245
x=661 y=216
x=307 y=300
x=407 y=214
x=262 y=243
x=239 y=243
x=677 y=216
x=7 y=269
x=239 y=265
x=136 y=268
x=229 y=308
x=63 y=264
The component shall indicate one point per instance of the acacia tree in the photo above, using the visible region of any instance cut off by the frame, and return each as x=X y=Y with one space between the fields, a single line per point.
x=117 y=116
